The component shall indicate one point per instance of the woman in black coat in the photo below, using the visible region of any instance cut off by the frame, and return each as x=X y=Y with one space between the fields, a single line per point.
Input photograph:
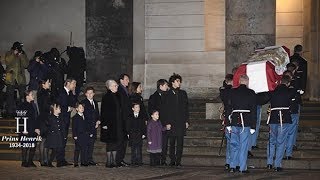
x=44 y=100
x=135 y=91
x=112 y=128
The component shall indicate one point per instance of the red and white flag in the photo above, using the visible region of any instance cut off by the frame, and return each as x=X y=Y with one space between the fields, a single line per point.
x=262 y=76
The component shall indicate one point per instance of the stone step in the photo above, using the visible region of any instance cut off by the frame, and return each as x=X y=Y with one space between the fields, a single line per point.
x=192 y=160
x=187 y=150
x=215 y=142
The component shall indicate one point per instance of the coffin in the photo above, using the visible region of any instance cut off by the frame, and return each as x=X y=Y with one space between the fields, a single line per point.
x=264 y=68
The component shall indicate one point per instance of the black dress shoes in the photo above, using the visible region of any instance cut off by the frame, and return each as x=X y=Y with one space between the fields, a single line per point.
x=50 y=165
x=269 y=166
x=172 y=163
x=232 y=170
x=226 y=167
x=255 y=147
x=92 y=163
x=278 y=169
x=164 y=164
x=75 y=165
x=250 y=154
x=84 y=164
x=123 y=164
x=24 y=164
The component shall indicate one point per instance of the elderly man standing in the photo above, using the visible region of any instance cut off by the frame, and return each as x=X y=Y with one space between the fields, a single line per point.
x=16 y=62
x=242 y=114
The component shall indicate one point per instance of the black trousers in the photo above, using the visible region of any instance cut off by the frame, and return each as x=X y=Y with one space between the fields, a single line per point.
x=81 y=148
x=176 y=150
x=61 y=153
x=136 y=154
x=90 y=148
x=164 y=147
x=52 y=155
x=28 y=154
x=155 y=159
x=121 y=152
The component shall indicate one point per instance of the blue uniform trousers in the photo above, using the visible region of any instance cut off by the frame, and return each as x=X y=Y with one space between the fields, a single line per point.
x=277 y=143
x=239 y=147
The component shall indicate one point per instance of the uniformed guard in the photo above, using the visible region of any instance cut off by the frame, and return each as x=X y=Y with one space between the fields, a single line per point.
x=242 y=121
x=279 y=120
x=225 y=97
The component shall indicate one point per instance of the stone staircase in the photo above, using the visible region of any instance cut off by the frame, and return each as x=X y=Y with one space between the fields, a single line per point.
x=203 y=139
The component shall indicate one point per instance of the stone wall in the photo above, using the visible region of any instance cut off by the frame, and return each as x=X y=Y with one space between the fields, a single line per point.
x=175 y=42
x=289 y=23
x=109 y=39
x=250 y=24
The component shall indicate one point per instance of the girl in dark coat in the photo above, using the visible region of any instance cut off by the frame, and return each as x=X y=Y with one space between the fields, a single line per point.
x=135 y=91
x=112 y=127
x=44 y=102
x=55 y=133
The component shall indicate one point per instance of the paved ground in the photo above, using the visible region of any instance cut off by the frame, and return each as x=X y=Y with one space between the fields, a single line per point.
x=12 y=170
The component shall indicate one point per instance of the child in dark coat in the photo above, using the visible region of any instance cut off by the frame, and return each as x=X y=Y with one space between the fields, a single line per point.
x=137 y=131
x=55 y=133
x=154 y=135
x=80 y=132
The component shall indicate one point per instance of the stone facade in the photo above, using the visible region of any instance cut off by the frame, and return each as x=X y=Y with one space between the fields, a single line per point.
x=250 y=25
x=109 y=39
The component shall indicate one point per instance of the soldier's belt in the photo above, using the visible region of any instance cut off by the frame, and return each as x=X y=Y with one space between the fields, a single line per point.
x=280 y=113
x=240 y=111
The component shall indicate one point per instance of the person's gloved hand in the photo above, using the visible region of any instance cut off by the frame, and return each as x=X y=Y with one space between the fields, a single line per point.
x=229 y=129
x=252 y=131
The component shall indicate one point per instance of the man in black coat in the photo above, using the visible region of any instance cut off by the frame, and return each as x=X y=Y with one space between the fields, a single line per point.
x=302 y=70
x=175 y=115
x=242 y=114
x=155 y=103
x=28 y=109
x=67 y=100
x=125 y=102
x=91 y=113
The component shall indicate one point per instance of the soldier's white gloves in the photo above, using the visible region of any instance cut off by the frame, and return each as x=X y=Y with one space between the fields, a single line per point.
x=252 y=131
x=229 y=117
x=229 y=129
x=104 y=127
x=300 y=92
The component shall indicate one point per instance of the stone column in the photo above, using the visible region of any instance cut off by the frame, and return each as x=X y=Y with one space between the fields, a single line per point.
x=108 y=39
x=314 y=61
x=250 y=24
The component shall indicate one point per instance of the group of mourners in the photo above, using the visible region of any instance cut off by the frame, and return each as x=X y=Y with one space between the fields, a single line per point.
x=123 y=121
x=242 y=116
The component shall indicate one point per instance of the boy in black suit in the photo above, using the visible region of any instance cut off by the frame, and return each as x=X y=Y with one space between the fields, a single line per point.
x=137 y=131
x=91 y=114
x=155 y=103
x=81 y=136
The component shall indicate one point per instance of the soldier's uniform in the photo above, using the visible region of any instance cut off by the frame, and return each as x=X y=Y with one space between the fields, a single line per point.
x=225 y=91
x=279 y=120
x=242 y=114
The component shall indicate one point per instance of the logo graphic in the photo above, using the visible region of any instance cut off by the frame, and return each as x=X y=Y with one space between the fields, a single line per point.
x=21 y=115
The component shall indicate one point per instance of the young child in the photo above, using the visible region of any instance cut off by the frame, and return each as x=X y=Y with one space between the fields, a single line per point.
x=81 y=136
x=91 y=113
x=137 y=131
x=55 y=133
x=154 y=134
